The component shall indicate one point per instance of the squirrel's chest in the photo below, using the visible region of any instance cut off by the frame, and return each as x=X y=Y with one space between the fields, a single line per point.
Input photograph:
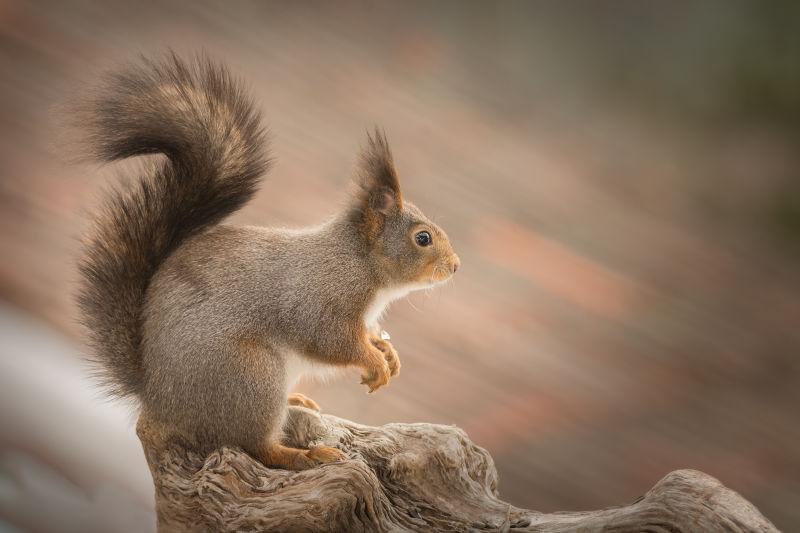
x=380 y=302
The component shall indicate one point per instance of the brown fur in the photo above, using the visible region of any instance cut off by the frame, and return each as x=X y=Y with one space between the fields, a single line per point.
x=210 y=325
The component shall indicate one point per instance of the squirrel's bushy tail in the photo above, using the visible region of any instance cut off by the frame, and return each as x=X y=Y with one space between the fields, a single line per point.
x=197 y=115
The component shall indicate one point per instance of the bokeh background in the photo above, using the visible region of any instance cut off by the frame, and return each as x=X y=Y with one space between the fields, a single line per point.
x=620 y=179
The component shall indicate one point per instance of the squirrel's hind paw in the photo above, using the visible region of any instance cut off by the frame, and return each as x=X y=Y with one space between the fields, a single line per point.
x=325 y=454
x=302 y=400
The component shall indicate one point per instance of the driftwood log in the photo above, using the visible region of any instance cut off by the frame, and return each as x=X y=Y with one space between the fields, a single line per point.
x=403 y=477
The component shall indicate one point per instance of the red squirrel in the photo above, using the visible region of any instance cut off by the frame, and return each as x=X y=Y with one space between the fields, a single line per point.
x=209 y=325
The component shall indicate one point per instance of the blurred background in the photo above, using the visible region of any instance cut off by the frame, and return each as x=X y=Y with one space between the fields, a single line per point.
x=620 y=179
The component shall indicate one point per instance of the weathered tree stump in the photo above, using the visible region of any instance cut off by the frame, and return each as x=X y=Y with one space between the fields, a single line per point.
x=403 y=477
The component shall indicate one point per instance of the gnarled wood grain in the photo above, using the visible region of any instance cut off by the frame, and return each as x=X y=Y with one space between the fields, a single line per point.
x=403 y=477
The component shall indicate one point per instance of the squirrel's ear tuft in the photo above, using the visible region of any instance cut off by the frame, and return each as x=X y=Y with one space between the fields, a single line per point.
x=376 y=174
x=378 y=189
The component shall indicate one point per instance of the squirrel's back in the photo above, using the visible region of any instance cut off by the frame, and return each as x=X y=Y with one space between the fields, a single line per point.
x=200 y=118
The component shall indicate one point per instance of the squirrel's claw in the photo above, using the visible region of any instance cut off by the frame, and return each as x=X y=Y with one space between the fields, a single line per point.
x=373 y=384
x=376 y=379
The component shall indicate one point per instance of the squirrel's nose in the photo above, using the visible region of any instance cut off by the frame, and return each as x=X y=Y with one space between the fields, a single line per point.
x=456 y=263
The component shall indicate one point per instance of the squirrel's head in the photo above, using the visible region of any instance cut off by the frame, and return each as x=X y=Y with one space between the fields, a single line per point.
x=407 y=247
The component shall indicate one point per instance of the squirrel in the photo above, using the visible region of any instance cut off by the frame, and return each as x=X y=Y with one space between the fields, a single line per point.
x=207 y=326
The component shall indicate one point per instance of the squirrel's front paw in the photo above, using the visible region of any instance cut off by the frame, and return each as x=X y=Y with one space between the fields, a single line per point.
x=390 y=354
x=377 y=374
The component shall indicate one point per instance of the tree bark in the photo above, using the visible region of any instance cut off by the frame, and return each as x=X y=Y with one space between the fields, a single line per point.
x=402 y=477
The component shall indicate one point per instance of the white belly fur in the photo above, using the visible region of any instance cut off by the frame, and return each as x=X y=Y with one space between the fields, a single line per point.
x=298 y=366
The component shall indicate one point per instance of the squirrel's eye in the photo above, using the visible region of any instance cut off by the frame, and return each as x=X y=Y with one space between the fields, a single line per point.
x=423 y=238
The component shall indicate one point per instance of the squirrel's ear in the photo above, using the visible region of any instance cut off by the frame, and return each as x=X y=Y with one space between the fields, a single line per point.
x=378 y=189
